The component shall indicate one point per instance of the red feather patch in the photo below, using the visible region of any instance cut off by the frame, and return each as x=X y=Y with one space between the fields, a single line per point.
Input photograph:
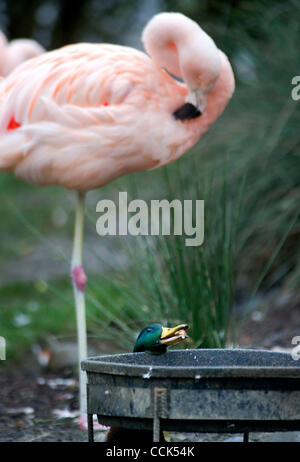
x=13 y=124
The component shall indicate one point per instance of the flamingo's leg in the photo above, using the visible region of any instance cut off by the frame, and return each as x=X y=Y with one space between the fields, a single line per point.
x=79 y=283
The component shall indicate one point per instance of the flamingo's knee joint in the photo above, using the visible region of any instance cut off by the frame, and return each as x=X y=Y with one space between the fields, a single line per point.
x=79 y=278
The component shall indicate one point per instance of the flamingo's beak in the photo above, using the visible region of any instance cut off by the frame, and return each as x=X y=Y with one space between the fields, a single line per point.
x=172 y=335
x=198 y=98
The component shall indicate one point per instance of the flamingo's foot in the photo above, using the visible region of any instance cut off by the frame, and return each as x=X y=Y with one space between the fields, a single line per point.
x=83 y=423
x=79 y=278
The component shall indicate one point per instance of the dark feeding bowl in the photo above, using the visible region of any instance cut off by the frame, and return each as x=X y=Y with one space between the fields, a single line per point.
x=213 y=390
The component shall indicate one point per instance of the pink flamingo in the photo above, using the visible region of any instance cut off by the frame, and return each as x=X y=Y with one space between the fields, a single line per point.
x=16 y=52
x=86 y=114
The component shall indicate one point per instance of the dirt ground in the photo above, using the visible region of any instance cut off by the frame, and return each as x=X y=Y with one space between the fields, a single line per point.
x=29 y=398
x=275 y=325
x=40 y=405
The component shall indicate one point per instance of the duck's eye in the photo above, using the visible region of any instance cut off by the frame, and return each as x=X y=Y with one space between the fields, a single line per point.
x=149 y=330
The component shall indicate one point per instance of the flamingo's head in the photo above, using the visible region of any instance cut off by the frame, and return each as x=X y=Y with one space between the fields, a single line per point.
x=179 y=45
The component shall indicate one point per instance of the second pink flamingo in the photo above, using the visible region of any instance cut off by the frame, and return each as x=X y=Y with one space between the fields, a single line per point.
x=16 y=52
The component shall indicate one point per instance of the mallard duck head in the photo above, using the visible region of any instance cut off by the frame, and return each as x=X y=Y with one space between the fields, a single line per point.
x=155 y=338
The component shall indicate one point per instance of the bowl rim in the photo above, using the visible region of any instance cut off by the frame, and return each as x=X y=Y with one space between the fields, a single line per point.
x=112 y=365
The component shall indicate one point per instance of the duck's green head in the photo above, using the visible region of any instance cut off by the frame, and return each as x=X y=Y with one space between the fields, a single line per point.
x=155 y=338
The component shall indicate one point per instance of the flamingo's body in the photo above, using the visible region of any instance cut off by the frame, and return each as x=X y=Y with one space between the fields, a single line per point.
x=86 y=114
x=91 y=113
x=16 y=52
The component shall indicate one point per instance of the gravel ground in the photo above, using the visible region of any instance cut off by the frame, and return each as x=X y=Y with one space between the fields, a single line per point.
x=29 y=399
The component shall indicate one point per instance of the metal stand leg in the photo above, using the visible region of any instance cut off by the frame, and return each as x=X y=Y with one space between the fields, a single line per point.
x=160 y=411
x=246 y=437
x=90 y=428
x=156 y=428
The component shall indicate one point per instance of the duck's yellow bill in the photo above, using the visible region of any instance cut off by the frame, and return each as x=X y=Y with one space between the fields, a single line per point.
x=172 y=335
